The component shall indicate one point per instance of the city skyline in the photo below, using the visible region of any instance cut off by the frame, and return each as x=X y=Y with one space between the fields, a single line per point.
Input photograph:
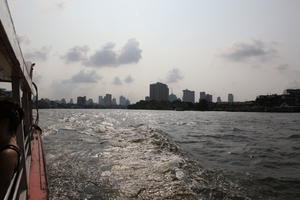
x=245 y=48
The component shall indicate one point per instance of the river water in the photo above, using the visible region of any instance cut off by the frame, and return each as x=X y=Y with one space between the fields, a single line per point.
x=135 y=154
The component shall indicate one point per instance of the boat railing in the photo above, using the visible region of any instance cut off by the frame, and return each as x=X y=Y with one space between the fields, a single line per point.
x=18 y=187
x=14 y=70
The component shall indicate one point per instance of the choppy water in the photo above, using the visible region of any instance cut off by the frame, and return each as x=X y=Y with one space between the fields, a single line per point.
x=129 y=154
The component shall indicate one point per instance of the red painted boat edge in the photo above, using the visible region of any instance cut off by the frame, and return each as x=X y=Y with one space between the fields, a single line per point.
x=38 y=187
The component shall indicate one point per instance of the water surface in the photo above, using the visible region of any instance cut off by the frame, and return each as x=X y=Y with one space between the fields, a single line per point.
x=132 y=154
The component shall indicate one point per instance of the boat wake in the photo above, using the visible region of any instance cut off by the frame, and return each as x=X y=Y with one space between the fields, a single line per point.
x=138 y=162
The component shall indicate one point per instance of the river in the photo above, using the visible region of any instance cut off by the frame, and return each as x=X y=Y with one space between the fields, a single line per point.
x=140 y=154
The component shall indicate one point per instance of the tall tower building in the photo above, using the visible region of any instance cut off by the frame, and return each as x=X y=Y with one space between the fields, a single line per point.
x=188 y=96
x=107 y=100
x=159 y=92
x=230 y=98
x=202 y=96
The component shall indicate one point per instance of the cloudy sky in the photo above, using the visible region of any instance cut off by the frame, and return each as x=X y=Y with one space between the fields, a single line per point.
x=93 y=47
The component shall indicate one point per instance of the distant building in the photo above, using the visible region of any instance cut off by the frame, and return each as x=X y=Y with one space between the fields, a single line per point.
x=107 y=100
x=202 y=96
x=71 y=101
x=147 y=98
x=188 y=96
x=81 y=100
x=209 y=98
x=100 y=100
x=90 y=102
x=159 y=92
x=292 y=92
x=122 y=101
x=172 y=97
x=219 y=100
x=114 y=101
x=63 y=101
x=230 y=98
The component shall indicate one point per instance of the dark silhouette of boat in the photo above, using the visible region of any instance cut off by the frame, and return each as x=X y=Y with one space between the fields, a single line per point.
x=30 y=180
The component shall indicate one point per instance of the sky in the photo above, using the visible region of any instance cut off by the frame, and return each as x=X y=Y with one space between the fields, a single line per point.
x=93 y=47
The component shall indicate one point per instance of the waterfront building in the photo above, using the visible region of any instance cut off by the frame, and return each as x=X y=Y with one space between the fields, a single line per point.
x=202 y=96
x=230 y=98
x=81 y=100
x=188 y=96
x=209 y=98
x=172 y=97
x=100 y=100
x=114 y=101
x=71 y=101
x=147 y=98
x=159 y=92
x=219 y=100
x=107 y=100
x=122 y=101
x=63 y=101
x=90 y=101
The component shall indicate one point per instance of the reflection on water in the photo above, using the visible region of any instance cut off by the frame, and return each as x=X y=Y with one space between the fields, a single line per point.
x=125 y=154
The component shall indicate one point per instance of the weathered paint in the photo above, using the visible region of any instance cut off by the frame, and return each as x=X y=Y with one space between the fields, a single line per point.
x=38 y=189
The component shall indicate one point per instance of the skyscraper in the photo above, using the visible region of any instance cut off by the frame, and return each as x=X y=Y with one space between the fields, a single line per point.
x=209 y=98
x=114 y=101
x=107 y=100
x=230 y=98
x=202 y=96
x=81 y=100
x=188 y=96
x=122 y=101
x=159 y=92
x=219 y=100
x=100 y=101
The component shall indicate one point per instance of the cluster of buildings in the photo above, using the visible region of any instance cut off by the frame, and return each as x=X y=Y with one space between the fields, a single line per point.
x=107 y=100
x=104 y=101
x=160 y=92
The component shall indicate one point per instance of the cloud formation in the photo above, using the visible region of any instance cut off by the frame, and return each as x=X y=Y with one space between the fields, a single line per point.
x=107 y=56
x=75 y=54
x=254 y=50
x=174 y=76
x=85 y=77
x=103 y=57
x=130 y=53
x=128 y=79
x=117 y=81
x=38 y=54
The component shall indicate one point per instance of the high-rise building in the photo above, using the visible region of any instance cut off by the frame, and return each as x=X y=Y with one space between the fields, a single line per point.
x=209 y=98
x=122 y=101
x=202 y=96
x=81 y=100
x=114 y=101
x=230 y=98
x=100 y=100
x=159 y=92
x=172 y=97
x=107 y=100
x=188 y=96
x=219 y=100
x=90 y=102
x=71 y=101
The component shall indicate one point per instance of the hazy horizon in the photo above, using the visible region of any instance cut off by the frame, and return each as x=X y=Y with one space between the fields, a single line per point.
x=247 y=48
